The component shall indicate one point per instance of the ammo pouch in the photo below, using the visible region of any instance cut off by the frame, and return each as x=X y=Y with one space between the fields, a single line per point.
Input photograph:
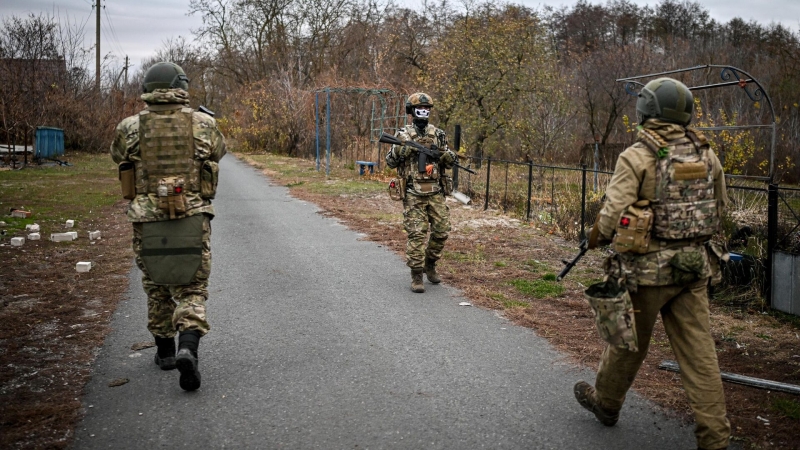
x=613 y=313
x=171 y=196
x=127 y=178
x=633 y=229
x=172 y=250
x=447 y=184
x=687 y=267
x=209 y=177
x=397 y=189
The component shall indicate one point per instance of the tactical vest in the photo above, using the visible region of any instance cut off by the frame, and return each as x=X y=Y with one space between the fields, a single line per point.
x=424 y=182
x=166 y=144
x=684 y=205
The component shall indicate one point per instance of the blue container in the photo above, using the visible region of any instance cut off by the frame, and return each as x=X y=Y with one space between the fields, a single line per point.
x=735 y=256
x=49 y=142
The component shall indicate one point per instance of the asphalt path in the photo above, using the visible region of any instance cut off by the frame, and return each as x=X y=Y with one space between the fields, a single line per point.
x=317 y=342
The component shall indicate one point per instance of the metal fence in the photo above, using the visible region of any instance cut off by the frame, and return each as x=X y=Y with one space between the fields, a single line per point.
x=565 y=199
x=761 y=219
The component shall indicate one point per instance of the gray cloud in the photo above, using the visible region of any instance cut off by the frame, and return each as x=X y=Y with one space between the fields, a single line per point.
x=137 y=28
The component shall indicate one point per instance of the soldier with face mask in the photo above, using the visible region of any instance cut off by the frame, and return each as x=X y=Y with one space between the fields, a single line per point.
x=425 y=184
x=663 y=205
x=167 y=156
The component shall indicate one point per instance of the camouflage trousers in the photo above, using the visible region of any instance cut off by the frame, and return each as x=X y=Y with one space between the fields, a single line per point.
x=420 y=215
x=174 y=308
x=684 y=311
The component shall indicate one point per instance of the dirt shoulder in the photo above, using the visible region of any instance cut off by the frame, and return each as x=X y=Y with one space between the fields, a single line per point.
x=504 y=264
x=55 y=319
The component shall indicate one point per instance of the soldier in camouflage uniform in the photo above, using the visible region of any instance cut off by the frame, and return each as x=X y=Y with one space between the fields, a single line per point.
x=425 y=187
x=671 y=167
x=168 y=153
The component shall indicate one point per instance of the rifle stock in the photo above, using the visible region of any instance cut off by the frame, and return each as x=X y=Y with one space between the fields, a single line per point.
x=389 y=139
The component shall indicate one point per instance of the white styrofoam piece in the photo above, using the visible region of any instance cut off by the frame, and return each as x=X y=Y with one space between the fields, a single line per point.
x=33 y=228
x=34 y=236
x=94 y=235
x=70 y=223
x=17 y=241
x=74 y=234
x=83 y=266
x=61 y=237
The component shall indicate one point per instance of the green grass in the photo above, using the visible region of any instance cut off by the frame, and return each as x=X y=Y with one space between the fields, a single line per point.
x=538 y=288
x=342 y=180
x=479 y=255
x=535 y=266
x=787 y=407
x=507 y=303
x=346 y=187
x=500 y=264
x=55 y=193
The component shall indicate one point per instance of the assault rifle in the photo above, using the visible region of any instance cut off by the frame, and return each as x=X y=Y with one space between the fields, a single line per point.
x=568 y=265
x=424 y=152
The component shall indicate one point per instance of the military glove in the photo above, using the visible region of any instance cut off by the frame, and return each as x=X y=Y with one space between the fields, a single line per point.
x=403 y=152
x=448 y=158
x=595 y=240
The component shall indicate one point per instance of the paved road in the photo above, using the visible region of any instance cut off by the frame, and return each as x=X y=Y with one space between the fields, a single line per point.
x=318 y=343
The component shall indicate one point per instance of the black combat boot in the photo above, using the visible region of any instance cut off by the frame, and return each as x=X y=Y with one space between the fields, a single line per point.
x=416 y=281
x=165 y=353
x=186 y=360
x=430 y=271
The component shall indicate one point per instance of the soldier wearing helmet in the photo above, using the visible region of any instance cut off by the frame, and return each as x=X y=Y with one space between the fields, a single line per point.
x=168 y=158
x=425 y=186
x=672 y=181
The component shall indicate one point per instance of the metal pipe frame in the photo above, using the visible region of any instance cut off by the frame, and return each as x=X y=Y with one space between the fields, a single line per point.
x=731 y=76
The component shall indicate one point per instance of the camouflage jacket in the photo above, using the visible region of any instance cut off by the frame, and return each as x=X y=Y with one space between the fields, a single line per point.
x=634 y=179
x=209 y=144
x=407 y=166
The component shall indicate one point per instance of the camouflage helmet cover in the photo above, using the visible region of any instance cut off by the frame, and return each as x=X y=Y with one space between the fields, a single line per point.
x=165 y=75
x=418 y=99
x=666 y=99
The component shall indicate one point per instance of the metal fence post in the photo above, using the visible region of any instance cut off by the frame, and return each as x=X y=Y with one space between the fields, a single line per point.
x=328 y=128
x=488 y=177
x=505 y=192
x=457 y=145
x=596 y=165
x=530 y=185
x=772 y=238
x=583 y=199
x=316 y=119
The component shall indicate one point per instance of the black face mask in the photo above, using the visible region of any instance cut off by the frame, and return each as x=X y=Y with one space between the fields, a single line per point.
x=421 y=124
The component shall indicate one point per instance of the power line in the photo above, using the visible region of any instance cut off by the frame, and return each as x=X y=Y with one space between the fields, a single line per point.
x=114 y=32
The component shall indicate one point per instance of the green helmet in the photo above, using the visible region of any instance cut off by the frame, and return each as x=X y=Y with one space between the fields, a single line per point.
x=666 y=99
x=418 y=99
x=165 y=75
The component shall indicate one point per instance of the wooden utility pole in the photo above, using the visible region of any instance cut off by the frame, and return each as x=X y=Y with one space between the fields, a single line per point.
x=126 y=70
x=97 y=41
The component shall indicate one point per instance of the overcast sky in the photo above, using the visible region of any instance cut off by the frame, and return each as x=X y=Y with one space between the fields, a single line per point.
x=137 y=28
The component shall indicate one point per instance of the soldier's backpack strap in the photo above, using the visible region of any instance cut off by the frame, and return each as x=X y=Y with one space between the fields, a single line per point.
x=698 y=139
